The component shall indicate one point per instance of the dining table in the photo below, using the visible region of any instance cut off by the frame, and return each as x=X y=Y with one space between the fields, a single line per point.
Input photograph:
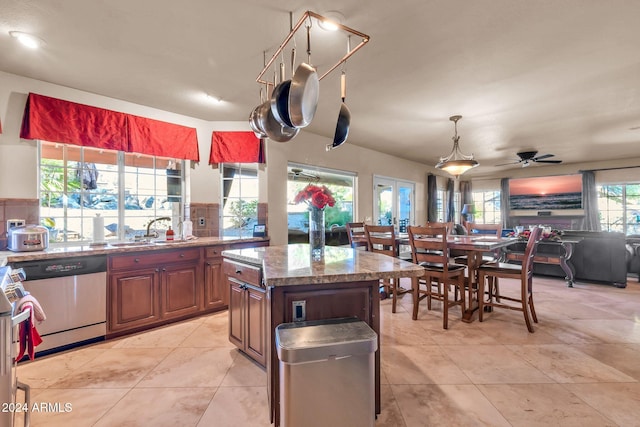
x=474 y=246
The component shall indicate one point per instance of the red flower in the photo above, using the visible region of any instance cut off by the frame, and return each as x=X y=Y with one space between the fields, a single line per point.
x=315 y=196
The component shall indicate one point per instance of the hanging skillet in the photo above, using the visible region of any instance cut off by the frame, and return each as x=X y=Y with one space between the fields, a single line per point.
x=271 y=127
x=344 y=117
x=304 y=91
x=280 y=96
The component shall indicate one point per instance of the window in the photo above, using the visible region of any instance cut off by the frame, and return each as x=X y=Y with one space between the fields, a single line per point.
x=619 y=208
x=239 y=198
x=487 y=205
x=441 y=201
x=340 y=183
x=128 y=190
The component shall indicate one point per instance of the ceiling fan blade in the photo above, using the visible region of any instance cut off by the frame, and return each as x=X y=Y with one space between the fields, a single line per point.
x=511 y=163
x=544 y=156
x=547 y=161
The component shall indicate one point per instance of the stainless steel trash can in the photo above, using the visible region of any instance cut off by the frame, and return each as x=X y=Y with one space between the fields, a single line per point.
x=327 y=373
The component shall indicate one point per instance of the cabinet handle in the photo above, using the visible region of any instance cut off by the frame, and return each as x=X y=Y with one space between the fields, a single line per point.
x=181 y=255
x=209 y=264
x=157 y=270
x=238 y=271
x=136 y=260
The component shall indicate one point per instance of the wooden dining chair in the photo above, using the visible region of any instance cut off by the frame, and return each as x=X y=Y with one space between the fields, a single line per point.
x=429 y=249
x=523 y=273
x=357 y=236
x=382 y=239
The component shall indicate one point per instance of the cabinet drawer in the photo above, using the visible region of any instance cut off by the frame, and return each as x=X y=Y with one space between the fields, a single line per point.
x=118 y=262
x=243 y=272
x=214 y=251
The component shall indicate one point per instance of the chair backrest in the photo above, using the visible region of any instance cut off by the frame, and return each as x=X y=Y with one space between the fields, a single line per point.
x=429 y=245
x=355 y=232
x=530 y=252
x=449 y=225
x=381 y=239
x=488 y=229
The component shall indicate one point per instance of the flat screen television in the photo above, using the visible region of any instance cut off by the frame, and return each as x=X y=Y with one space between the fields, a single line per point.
x=546 y=193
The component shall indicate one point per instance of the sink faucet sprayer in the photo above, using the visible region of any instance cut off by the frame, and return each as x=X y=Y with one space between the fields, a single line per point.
x=163 y=218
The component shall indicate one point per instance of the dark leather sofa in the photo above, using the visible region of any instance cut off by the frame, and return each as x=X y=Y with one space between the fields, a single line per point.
x=600 y=256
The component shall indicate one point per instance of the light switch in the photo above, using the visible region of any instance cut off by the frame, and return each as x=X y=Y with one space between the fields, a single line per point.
x=299 y=311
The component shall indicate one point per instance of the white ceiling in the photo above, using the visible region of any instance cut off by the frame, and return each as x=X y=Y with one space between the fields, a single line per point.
x=557 y=76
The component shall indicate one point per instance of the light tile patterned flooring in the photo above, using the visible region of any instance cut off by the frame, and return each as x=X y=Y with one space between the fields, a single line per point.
x=580 y=368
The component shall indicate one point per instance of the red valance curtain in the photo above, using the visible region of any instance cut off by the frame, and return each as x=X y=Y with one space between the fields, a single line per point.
x=236 y=147
x=56 y=120
x=163 y=139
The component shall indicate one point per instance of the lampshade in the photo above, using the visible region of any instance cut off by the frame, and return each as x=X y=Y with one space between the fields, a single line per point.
x=456 y=163
x=468 y=209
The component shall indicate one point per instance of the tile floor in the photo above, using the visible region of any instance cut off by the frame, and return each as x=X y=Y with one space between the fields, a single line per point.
x=580 y=368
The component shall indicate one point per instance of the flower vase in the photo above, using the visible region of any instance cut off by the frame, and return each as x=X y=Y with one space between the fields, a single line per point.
x=316 y=234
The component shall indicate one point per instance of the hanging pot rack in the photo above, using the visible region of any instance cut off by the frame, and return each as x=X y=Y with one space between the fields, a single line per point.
x=308 y=15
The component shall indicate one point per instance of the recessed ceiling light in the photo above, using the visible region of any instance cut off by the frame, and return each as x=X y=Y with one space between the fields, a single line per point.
x=214 y=99
x=28 y=40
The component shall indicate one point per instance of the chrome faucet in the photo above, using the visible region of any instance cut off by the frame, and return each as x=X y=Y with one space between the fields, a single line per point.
x=162 y=218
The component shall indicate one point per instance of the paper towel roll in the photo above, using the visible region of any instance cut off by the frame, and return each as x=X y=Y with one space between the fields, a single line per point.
x=187 y=229
x=98 y=229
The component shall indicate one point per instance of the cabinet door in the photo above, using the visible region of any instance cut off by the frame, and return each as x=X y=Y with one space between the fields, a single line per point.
x=180 y=294
x=216 y=291
x=236 y=313
x=134 y=299
x=256 y=317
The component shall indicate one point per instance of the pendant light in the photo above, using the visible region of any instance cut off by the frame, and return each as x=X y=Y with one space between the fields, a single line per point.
x=456 y=163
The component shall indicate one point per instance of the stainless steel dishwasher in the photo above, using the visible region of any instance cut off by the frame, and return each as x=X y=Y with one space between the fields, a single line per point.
x=73 y=294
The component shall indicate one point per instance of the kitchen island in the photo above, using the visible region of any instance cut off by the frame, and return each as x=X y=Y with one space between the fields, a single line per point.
x=270 y=282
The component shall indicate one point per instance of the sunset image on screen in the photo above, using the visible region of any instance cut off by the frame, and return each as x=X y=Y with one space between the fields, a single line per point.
x=546 y=193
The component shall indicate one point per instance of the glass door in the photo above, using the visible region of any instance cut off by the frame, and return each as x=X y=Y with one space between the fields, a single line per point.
x=393 y=202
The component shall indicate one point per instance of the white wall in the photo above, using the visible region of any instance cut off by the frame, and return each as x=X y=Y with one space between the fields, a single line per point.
x=18 y=158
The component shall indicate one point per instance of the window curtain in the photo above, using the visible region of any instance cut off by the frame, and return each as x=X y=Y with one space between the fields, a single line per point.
x=591 y=221
x=157 y=138
x=504 y=201
x=236 y=147
x=55 y=120
x=466 y=195
x=450 y=201
x=432 y=198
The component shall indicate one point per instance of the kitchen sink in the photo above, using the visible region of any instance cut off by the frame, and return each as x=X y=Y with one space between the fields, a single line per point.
x=167 y=242
x=129 y=244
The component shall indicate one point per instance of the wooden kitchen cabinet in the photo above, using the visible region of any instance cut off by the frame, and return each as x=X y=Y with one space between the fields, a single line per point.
x=216 y=288
x=133 y=299
x=247 y=310
x=151 y=288
x=216 y=291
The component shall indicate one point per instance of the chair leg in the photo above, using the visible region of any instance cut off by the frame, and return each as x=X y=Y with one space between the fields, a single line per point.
x=530 y=299
x=462 y=299
x=415 y=282
x=525 y=306
x=445 y=305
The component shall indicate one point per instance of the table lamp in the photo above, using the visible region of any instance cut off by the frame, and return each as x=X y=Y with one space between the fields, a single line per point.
x=468 y=211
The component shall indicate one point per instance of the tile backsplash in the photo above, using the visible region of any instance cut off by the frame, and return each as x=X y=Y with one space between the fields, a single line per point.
x=27 y=209
x=210 y=212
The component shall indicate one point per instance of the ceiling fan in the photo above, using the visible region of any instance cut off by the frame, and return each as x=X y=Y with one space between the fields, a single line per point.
x=296 y=173
x=530 y=156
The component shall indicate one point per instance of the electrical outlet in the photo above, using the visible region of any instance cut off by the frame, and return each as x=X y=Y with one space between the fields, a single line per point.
x=201 y=221
x=299 y=311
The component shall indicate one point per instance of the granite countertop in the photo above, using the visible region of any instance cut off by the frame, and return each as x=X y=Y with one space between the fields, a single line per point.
x=291 y=265
x=86 y=250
